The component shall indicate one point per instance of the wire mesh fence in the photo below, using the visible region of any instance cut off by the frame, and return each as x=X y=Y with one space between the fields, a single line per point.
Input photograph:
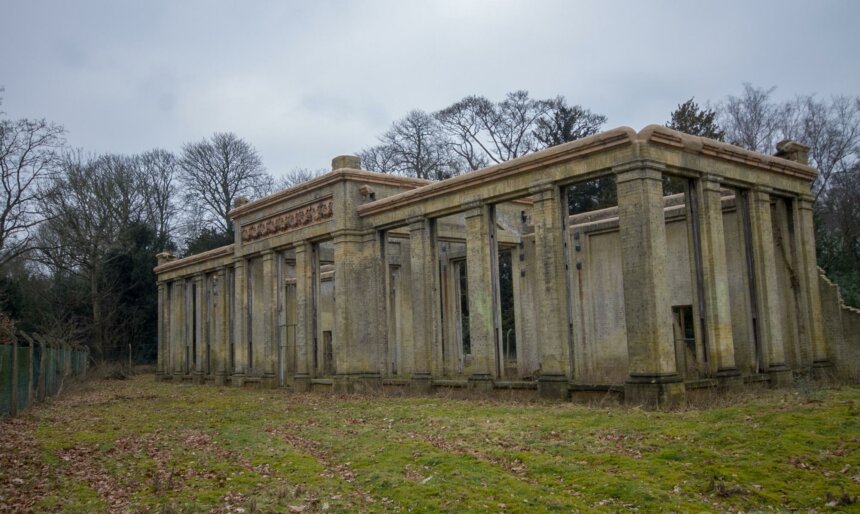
x=33 y=368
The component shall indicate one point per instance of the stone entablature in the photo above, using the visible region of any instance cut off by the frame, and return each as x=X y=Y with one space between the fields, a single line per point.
x=311 y=214
x=357 y=279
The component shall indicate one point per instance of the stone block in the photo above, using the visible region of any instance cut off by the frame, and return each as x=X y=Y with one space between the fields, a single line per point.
x=553 y=387
x=664 y=392
x=421 y=383
x=302 y=383
x=481 y=382
x=237 y=379
x=780 y=377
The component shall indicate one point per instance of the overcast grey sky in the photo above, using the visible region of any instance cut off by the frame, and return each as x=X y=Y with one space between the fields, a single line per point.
x=305 y=81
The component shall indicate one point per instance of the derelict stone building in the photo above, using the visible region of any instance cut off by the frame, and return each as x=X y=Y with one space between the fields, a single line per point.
x=510 y=278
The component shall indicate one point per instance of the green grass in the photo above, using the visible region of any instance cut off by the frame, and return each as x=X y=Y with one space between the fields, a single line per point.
x=140 y=445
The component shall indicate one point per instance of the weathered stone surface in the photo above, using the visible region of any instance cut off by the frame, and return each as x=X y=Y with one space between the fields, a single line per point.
x=397 y=281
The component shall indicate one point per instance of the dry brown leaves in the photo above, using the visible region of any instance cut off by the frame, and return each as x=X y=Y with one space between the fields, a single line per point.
x=23 y=475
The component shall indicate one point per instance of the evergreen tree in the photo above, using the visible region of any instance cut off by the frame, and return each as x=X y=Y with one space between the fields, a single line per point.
x=690 y=119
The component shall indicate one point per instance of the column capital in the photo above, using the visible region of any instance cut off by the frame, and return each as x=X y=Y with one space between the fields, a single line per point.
x=416 y=223
x=639 y=170
x=762 y=193
x=473 y=208
x=805 y=201
x=268 y=254
x=628 y=172
x=239 y=262
x=712 y=182
x=542 y=191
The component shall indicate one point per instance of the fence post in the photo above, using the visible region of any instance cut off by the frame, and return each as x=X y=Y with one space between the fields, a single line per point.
x=43 y=368
x=13 y=405
x=30 y=373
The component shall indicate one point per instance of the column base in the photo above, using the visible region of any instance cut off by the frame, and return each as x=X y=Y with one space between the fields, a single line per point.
x=199 y=377
x=822 y=370
x=553 y=387
x=268 y=381
x=780 y=376
x=421 y=383
x=237 y=379
x=343 y=384
x=368 y=383
x=220 y=379
x=481 y=382
x=730 y=378
x=302 y=383
x=662 y=391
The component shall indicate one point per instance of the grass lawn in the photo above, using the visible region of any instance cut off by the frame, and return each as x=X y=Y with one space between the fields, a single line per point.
x=140 y=445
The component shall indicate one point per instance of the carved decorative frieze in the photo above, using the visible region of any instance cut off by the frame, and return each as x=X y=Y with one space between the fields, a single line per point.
x=304 y=216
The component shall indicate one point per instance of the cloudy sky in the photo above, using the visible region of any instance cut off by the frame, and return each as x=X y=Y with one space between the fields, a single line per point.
x=305 y=81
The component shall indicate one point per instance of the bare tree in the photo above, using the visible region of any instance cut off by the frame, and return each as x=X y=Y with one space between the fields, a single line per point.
x=217 y=170
x=28 y=155
x=378 y=158
x=415 y=146
x=462 y=125
x=752 y=120
x=502 y=131
x=157 y=170
x=832 y=131
x=87 y=206
x=297 y=176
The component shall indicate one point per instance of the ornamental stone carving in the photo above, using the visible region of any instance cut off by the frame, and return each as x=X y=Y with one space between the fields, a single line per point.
x=304 y=216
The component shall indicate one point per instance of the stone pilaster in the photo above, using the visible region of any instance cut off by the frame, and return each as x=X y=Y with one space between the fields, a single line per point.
x=479 y=269
x=199 y=309
x=220 y=328
x=653 y=376
x=767 y=288
x=715 y=282
x=178 y=325
x=550 y=291
x=422 y=256
x=304 y=315
x=240 y=322
x=266 y=352
x=811 y=293
x=162 y=331
x=358 y=326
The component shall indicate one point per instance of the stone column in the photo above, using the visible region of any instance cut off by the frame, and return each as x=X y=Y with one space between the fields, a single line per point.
x=221 y=342
x=162 y=331
x=359 y=298
x=550 y=291
x=479 y=269
x=304 y=315
x=715 y=282
x=811 y=294
x=199 y=309
x=767 y=288
x=266 y=355
x=422 y=260
x=178 y=329
x=653 y=376
x=240 y=322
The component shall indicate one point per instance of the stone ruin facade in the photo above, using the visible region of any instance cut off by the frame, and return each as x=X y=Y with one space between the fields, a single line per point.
x=502 y=279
